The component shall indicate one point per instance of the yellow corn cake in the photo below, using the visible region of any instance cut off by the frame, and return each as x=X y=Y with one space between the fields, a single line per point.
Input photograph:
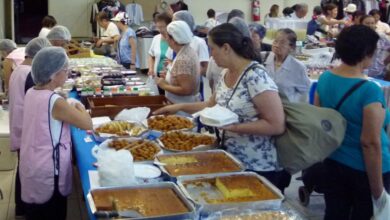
x=241 y=187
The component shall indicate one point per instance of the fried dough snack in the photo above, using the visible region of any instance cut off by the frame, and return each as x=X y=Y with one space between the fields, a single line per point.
x=121 y=128
x=141 y=150
x=169 y=123
x=181 y=141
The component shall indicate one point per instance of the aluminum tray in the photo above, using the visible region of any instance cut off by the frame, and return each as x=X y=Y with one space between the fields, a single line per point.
x=100 y=137
x=197 y=148
x=193 y=128
x=104 y=146
x=194 y=194
x=183 y=216
x=173 y=178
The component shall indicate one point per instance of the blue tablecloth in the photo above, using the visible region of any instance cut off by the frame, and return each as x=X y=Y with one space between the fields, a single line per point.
x=84 y=157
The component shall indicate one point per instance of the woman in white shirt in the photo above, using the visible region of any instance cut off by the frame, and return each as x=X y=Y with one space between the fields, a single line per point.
x=328 y=22
x=159 y=50
x=48 y=23
x=288 y=73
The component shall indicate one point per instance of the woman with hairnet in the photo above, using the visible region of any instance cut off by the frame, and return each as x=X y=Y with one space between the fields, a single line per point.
x=13 y=56
x=59 y=36
x=181 y=83
x=16 y=103
x=197 y=43
x=45 y=167
x=258 y=32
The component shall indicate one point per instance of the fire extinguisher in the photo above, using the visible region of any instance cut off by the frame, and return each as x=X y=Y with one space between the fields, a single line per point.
x=256 y=10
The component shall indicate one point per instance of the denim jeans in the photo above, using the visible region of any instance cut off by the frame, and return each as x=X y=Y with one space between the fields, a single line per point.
x=347 y=192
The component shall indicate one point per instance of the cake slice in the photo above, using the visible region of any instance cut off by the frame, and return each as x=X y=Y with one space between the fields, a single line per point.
x=232 y=187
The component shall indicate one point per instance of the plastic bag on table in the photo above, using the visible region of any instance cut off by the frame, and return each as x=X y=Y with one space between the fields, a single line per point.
x=151 y=84
x=115 y=168
x=138 y=114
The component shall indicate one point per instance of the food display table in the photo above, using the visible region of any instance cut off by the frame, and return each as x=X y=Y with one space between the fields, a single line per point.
x=83 y=143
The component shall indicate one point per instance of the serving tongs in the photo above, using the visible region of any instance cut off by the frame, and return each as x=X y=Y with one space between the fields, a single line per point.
x=118 y=213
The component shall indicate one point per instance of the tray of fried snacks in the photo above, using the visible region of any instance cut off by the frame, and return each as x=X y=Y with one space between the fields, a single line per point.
x=141 y=150
x=118 y=129
x=179 y=141
x=169 y=123
x=214 y=192
x=198 y=162
x=253 y=214
x=148 y=201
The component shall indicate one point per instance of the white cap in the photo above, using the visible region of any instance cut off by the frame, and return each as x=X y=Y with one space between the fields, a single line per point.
x=120 y=16
x=351 y=8
x=180 y=32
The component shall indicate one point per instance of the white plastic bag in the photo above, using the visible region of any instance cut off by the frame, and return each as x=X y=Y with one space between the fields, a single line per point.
x=151 y=84
x=138 y=114
x=115 y=168
x=382 y=207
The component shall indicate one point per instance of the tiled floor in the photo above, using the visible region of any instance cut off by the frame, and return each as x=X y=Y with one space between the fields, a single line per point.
x=76 y=205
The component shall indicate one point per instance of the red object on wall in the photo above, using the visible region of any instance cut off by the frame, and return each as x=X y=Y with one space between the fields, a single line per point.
x=256 y=10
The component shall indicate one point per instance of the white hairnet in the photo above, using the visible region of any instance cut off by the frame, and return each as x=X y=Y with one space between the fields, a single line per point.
x=241 y=25
x=47 y=62
x=59 y=32
x=7 y=45
x=186 y=17
x=36 y=45
x=180 y=32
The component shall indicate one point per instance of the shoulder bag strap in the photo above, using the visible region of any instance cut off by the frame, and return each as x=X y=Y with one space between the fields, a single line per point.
x=349 y=93
x=221 y=140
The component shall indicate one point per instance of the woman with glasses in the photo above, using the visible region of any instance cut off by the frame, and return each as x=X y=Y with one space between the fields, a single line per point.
x=288 y=73
x=159 y=50
x=45 y=167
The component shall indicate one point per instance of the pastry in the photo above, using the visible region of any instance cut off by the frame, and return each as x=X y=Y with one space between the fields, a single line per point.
x=141 y=150
x=183 y=141
x=169 y=123
x=121 y=128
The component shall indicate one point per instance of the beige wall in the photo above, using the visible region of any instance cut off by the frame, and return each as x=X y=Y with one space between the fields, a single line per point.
x=75 y=14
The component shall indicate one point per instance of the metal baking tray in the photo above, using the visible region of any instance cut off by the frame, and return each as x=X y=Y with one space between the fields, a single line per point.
x=193 y=128
x=195 y=194
x=104 y=146
x=173 y=178
x=197 y=148
x=100 y=137
x=181 y=216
